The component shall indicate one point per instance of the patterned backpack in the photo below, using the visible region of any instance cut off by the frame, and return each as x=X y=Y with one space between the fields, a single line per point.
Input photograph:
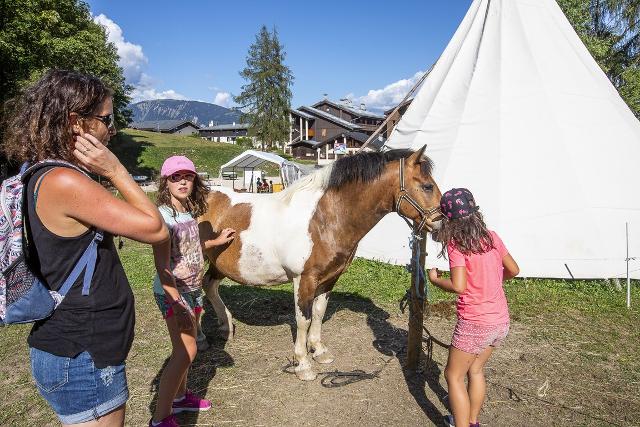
x=24 y=297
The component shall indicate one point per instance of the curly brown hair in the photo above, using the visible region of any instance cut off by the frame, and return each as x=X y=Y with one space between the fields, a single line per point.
x=469 y=235
x=38 y=126
x=196 y=203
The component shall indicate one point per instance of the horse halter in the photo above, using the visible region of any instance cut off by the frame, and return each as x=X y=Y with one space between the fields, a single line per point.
x=426 y=215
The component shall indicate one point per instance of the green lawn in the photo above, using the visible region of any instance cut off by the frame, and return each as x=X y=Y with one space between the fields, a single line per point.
x=589 y=317
x=142 y=153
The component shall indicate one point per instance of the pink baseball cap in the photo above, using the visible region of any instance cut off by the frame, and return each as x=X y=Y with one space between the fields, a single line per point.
x=175 y=164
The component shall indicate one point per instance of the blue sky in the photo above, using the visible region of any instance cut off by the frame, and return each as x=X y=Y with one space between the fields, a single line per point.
x=369 y=51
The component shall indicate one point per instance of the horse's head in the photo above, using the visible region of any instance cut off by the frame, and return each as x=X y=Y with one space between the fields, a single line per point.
x=417 y=197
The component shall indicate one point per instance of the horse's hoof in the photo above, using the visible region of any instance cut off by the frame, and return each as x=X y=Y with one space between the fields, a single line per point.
x=306 y=375
x=324 y=358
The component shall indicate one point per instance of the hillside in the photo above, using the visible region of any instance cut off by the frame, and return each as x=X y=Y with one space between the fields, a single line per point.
x=142 y=153
x=172 y=109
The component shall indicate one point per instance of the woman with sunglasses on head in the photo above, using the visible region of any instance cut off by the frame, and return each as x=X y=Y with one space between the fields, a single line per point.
x=78 y=353
x=182 y=197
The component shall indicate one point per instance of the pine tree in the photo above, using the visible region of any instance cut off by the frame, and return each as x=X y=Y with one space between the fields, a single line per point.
x=266 y=97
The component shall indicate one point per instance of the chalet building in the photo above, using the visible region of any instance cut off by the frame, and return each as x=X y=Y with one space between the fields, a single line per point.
x=178 y=127
x=327 y=130
x=228 y=133
x=367 y=120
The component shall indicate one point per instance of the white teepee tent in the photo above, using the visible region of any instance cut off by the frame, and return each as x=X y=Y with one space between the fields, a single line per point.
x=518 y=111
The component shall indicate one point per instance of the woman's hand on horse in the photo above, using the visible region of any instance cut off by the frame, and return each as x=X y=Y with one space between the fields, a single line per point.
x=94 y=156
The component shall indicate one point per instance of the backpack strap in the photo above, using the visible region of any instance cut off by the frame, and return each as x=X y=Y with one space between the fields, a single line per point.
x=87 y=262
x=38 y=184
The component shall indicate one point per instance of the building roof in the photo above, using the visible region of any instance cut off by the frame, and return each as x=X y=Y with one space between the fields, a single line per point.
x=160 y=125
x=302 y=114
x=354 y=111
x=229 y=126
x=331 y=117
x=357 y=136
x=313 y=144
x=402 y=105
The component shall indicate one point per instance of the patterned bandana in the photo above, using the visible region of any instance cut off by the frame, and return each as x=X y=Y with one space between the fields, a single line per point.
x=458 y=203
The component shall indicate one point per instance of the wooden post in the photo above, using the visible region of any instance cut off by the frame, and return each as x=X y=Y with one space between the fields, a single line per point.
x=416 y=307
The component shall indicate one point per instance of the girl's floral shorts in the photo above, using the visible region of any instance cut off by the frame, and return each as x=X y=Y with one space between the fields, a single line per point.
x=474 y=338
x=194 y=300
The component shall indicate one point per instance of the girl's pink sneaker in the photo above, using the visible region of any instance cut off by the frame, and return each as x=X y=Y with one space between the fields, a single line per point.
x=170 y=421
x=191 y=403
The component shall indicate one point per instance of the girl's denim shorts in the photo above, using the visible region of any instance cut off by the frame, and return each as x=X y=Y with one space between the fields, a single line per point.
x=75 y=389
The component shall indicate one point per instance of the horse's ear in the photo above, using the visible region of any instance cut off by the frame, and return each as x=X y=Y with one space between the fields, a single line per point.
x=416 y=158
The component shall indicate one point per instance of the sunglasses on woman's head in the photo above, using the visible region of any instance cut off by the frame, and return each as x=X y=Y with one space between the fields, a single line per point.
x=176 y=177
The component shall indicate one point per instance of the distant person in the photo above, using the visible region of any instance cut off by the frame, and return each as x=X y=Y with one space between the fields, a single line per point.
x=479 y=262
x=177 y=286
x=78 y=353
x=258 y=184
x=270 y=186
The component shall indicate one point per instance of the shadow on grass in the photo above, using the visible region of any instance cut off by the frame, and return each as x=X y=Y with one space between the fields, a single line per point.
x=270 y=307
x=129 y=151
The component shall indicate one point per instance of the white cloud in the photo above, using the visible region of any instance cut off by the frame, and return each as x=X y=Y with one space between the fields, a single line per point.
x=133 y=61
x=143 y=94
x=223 y=99
x=387 y=97
x=146 y=89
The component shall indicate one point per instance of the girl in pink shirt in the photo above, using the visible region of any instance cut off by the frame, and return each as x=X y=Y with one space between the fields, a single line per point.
x=478 y=262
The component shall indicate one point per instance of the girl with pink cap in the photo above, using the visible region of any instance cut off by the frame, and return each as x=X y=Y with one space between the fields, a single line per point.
x=182 y=197
x=479 y=262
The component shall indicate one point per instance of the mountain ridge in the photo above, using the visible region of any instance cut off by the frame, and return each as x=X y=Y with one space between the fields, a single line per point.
x=203 y=113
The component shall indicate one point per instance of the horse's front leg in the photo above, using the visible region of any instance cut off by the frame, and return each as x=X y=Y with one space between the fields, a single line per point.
x=225 y=320
x=303 y=300
x=321 y=353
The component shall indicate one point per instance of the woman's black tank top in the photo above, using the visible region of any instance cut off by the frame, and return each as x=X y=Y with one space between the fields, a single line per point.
x=102 y=322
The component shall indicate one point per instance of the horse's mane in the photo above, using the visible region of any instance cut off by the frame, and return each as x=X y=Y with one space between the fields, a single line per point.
x=361 y=167
x=318 y=180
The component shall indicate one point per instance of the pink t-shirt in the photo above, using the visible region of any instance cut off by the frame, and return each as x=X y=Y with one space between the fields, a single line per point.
x=483 y=301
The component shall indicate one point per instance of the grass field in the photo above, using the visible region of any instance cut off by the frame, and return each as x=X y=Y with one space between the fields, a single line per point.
x=588 y=319
x=142 y=153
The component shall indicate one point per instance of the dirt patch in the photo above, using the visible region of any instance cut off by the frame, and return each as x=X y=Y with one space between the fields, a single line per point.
x=536 y=378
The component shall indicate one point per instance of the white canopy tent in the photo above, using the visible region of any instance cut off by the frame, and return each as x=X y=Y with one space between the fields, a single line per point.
x=250 y=159
x=518 y=111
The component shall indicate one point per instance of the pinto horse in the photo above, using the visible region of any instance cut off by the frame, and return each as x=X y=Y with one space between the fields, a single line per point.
x=309 y=233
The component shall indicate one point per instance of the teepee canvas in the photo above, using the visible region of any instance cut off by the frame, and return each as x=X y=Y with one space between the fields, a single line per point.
x=518 y=111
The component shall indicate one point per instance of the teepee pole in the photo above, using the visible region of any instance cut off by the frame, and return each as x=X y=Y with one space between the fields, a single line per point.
x=417 y=301
x=384 y=123
x=628 y=278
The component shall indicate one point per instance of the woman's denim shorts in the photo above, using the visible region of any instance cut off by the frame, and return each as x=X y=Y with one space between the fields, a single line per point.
x=75 y=389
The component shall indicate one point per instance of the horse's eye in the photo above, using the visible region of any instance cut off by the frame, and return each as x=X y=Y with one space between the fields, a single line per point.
x=427 y=187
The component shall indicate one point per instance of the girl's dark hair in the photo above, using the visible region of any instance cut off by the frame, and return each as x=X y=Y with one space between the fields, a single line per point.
x=38 y=125
x=196 y=203
x=469 y=235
